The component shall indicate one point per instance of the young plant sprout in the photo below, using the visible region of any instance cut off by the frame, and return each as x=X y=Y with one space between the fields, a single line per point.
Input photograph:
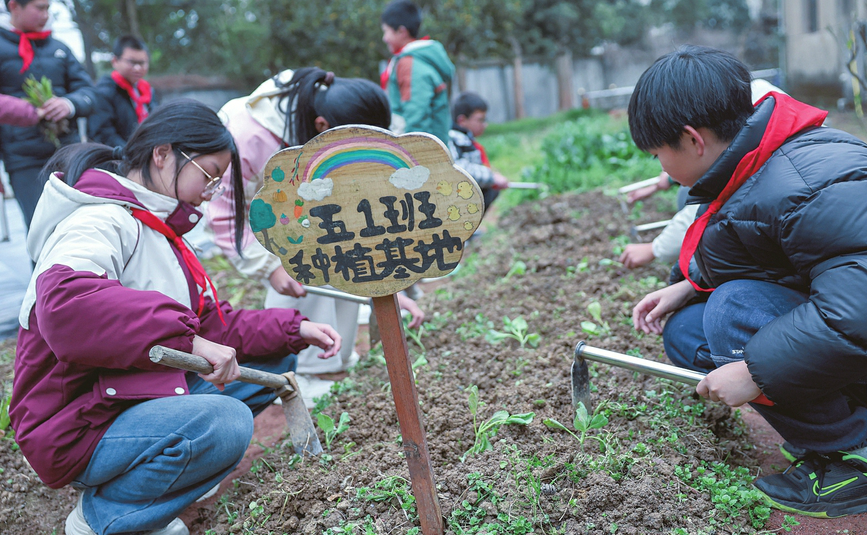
x=517 y=330
x=488 y=429
x=582 y=423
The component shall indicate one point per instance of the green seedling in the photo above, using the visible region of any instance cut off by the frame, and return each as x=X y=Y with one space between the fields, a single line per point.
x=5 y=430
x=582 y=423
x=516 y=329
x=478 y=327
x=414 y=335
x=38 y=93
x=391 y=488
x=326 y=424
x=488 y=429
x=620 y=243
x=598 y=328
x=518 y=268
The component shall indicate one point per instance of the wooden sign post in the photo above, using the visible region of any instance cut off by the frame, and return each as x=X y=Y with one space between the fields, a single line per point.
x=371 y=213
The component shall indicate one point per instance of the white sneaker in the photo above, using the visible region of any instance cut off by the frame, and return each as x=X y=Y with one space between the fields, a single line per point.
x=312 y=387
x=77 y=525
x=364 y=312
x=210 y=492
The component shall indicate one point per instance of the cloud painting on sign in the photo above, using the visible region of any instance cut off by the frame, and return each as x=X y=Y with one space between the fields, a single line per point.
x=366 y=211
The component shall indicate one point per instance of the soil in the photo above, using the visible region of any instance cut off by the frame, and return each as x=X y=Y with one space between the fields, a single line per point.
x=624 y=479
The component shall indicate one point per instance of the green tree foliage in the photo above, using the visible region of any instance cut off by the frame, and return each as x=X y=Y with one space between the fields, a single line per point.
x=710 y=14
x=249 y=40
x=343 y=36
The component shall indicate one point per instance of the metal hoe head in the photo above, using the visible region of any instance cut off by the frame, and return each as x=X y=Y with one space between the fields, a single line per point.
x=580 y=379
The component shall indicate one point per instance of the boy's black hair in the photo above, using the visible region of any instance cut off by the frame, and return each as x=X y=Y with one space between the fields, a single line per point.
x=21 y=3
x=403 y=13
x=312 y=92
x=466 y=104
x=127 y=41
x=186 y=124
x=695 y=86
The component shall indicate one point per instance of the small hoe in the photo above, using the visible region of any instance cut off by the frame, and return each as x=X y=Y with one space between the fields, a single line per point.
x=301 y=430
x=581 y=374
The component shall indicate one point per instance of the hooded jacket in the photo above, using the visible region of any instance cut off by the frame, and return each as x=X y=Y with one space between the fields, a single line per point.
x=258 y=124
x=798 y=221
x=24 y=147
x=105 y=290
x=417 y=87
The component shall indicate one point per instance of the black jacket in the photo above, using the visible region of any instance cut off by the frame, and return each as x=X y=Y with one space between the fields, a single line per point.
x=23 y=147
x=114 y=119
x=800 y=221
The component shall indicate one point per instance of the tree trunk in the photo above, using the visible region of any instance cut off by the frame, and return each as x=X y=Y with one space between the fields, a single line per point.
x=564 y=80
x=461 y=74
x=88 y=36
x=520 y=112
x=132 y=15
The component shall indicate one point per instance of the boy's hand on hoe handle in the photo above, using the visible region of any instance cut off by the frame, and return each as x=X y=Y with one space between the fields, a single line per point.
x=221 y=357
x=648 y=314
x=645 y=192
x=322 y=336
x=500 y=181
x=732 y=384
x=284 y=284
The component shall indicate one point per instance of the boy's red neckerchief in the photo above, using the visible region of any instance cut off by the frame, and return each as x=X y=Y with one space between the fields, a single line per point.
x=198 y=272
x=788 y=118
x=140 y=99
x=485 y=161
x=25 y=47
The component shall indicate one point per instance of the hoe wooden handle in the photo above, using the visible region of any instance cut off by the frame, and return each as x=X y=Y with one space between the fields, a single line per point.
x=194 y=363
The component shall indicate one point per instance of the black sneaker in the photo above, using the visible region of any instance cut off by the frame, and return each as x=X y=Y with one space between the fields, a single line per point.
x=792 y=453
x=822 y=486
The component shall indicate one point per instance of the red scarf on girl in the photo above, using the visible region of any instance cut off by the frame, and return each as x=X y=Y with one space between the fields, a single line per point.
x=198 y=272
x=25 y=47
x=142 y=97
x=788 y=118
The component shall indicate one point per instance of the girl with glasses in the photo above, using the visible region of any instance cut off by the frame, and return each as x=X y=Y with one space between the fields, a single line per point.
x=114 y=278
x=285 y=111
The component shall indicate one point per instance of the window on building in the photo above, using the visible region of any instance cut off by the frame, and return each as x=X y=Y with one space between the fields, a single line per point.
x=847 y=10
x=811 y=10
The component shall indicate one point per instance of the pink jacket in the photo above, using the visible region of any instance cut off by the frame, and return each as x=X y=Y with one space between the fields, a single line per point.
x=17 y=112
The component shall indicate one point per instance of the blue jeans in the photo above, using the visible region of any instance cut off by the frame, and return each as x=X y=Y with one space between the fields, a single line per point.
x=707 y=335
x=161 y=455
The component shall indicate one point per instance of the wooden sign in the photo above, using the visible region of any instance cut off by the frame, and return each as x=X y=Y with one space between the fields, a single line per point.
x=370 y=213
x=365 y=211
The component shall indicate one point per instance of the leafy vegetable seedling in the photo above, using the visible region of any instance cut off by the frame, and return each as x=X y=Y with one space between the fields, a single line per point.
x=326 y=424
x=487 y=429
x=582 y=423
x=516 y=329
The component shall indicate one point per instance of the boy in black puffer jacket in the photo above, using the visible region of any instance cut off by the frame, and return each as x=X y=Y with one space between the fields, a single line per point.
x=772 y=277
x=28 y=51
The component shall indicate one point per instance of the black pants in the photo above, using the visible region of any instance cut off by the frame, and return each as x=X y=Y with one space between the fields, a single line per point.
x=28 y=188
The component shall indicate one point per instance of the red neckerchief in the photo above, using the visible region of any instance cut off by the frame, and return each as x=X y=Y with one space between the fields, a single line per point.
x=788 y=118
x=25 y=48
x=383 y=77
x=143 y=97
x=485 y=161
x=198 y=272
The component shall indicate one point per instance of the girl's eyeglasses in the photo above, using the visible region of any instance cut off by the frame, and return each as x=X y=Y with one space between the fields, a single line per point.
x=215 y=186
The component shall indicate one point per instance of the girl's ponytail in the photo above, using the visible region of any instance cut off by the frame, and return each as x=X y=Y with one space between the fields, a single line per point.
x=298 y=103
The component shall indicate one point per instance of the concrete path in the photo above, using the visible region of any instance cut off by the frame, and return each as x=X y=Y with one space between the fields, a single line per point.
x=15 y=269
